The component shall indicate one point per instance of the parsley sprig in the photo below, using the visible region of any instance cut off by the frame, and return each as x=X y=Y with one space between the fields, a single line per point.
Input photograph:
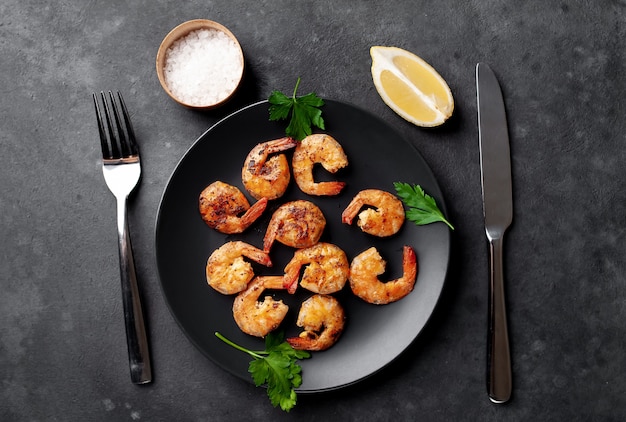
x=303 y=112
x=276 y=367
x=422 y=207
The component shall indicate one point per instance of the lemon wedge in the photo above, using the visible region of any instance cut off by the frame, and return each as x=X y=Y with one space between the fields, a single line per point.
x=411 y=87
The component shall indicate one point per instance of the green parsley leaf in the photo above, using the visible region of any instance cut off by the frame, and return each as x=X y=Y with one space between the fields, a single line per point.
x=276 y=367
x=422 y=207
x=303 y=112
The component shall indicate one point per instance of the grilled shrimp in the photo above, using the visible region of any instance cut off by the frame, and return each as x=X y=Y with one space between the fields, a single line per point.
x=259 y=318
x=326 y=269
x=225 y=208
x=298 y=224
x=264 y=176
x=227 y=271
x=322 y=319
x=385 y=219
x=364 y=272
x=322 y=149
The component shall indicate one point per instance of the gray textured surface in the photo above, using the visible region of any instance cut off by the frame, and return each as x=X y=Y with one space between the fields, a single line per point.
x=561 y=65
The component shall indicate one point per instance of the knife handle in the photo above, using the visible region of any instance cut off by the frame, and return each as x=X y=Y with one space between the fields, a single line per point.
x=499 y=378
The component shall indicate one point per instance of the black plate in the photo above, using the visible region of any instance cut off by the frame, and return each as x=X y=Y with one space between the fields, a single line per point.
x=374 y=335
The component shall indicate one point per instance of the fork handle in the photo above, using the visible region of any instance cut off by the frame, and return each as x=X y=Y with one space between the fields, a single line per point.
x=499 y=378
x=136 y=337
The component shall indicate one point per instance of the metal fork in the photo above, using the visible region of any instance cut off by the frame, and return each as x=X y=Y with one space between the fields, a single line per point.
x=122 y=170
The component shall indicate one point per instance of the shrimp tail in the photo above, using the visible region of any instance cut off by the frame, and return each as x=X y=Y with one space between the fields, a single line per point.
x=351 y=211
x=258 y=256
x=274 y=282
x=254 y=212
x=409 y=263
x=301 y=343
x=291 y=278
x=330 y=188
x=268 y=239
x=271 y=233
x=281 y=144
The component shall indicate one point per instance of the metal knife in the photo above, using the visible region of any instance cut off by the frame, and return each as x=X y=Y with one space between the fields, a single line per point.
x=495 y=167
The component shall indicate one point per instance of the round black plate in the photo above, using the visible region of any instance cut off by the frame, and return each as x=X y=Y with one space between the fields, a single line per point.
x=374 y=335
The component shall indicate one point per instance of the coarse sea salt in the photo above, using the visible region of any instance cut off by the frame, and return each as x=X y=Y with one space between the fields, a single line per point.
x=203 y=67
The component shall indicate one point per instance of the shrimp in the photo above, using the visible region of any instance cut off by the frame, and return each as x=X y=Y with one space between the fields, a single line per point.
x=227 y=271
x=385 y=219
x=322 y=318
x=224 y=208
x=326 y=272
x=298 y=224
x=259 y=318
x=322 y=149
x=267 y=177
x=364 y=272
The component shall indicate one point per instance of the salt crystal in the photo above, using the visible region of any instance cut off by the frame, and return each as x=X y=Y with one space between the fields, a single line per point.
x=203 y=68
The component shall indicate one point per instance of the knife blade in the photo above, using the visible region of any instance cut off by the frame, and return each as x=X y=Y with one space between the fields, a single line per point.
x=495 y=167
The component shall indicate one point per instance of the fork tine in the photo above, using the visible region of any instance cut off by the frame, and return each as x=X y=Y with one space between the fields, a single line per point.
x=132 y=143
x=121 y=135
x=115 y=150
x=104 y=142
x=117 y=137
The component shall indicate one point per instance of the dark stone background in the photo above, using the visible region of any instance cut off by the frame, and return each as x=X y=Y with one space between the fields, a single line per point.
x=561 y=67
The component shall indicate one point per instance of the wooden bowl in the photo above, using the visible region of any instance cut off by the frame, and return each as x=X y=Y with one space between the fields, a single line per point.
x=181 y=31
